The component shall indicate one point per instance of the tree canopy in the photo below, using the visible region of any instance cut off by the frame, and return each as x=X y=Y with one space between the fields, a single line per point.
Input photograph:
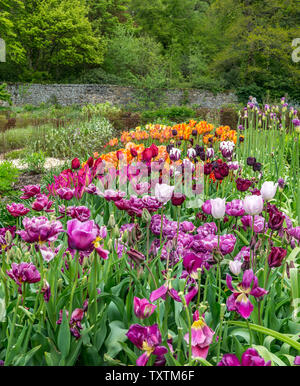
x=244 y=46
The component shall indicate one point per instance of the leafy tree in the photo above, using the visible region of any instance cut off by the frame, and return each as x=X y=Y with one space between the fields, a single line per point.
x=107 y=15
x=56 y=36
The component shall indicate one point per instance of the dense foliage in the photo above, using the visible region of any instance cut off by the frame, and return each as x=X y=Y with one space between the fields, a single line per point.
x=178 y=245
x=214 y=44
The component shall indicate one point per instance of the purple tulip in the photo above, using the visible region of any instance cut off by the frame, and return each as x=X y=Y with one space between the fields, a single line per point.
x=249 y=358
x=82 y=235
x=75 y=321
x=24 y=273
x=65 y=193
x=209 y=228
x=40 y=229
x=239 y=300
x=17 y=210
x=30 y=191
x=112 y=195
x=235 y=208
x=206 y=207
x=259 y=223
x=42 y=203
x=147 y=339
x=186 y=227
x=81 y=213
x=142 y=308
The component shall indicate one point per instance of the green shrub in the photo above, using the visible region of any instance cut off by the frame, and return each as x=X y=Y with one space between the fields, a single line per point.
x=174 y=113
x=8 y=175
x=35 y=162
x=72 y=141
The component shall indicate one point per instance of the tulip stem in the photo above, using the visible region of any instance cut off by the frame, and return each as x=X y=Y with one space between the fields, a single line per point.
x=74 y=285
x=11 y=336
x=161 y=224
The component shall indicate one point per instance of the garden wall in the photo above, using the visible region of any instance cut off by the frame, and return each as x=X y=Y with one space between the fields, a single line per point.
x=68 y=94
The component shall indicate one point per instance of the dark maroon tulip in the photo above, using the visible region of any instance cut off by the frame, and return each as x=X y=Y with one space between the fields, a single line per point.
x=90 y=162
x=133 y=152
x=221 y=171
x=174 y=133
x=257 y=167
x=178 y=199
x=75 y=164
x=243 y=185
x=276 y=257
x=276 y=218
x=251 y=161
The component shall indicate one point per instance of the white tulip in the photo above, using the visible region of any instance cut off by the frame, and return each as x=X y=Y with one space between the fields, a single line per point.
x=218 y=207
x=268 y=190
x=163 y=192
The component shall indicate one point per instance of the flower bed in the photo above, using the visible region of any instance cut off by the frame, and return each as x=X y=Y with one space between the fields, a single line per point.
x=177 y=246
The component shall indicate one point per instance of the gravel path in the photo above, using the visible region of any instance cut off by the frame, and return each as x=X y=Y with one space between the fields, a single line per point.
x=50 y=163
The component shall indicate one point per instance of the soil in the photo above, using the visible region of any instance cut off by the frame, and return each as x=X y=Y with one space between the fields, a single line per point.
x=27 y=178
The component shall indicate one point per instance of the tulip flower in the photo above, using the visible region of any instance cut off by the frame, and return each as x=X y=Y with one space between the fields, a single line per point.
x=147 y=339
x=218 y=207
x=235 y=208
x=276 y=257
x=65 y=193
x=206 y=207
x=243 y=185
x=81 y=235
x=239 y=300
x=30 y=191
x=142 y=308
x=268 y=190
x=175 y=154
x=202 y=337
x=24 y=273
x=42 y=203
x=259 y=223
x=17 y=210
x=253 y=205
x=235 y=267
x=40 y=229
x=75 y=164
x=163 y=192
x=178 y=199
x=75 y=321
x=249 y=358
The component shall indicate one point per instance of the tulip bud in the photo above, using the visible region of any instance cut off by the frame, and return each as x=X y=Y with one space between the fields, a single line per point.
x=235 y=267
x=116 y=232
x=110 y=245
x=8 y=237
x=125 y=237
x=60 y=284
x=111 y=222
x=146 y=216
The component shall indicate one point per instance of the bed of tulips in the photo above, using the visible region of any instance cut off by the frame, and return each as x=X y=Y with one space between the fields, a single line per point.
x=177 y=246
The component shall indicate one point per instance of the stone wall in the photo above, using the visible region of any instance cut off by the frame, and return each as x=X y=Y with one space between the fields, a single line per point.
x=68 y=94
